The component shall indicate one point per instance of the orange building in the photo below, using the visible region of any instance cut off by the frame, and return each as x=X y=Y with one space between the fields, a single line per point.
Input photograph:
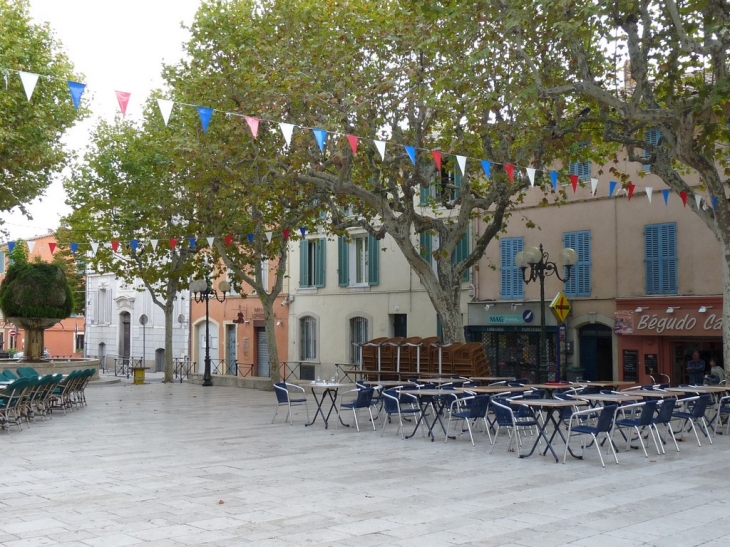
x=64 y=339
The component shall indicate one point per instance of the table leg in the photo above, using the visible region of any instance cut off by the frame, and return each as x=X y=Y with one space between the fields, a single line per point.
x=319 y=402
x=541 y=433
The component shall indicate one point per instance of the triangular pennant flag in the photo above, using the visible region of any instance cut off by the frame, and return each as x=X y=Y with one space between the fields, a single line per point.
x=94 y=247
x=253 y=125
x=649 y=192
x=461 y=161
x=611 y=188
x=631 y=190
x=683 y=195
x=210 y=241
x=594 y=186
x=286 y=234
x=287 y=129
x=303 y=231
x=554 y=179
x=134 y=244
x=191 y=243
x=52 y=246
x=74 y=247
x=268 y=236
x=510 y=171
x=229 y=240
x=352 y=139
x=154 y=242
x=31 y=246
x=165 y=109
x=123 y=100
x=380 y=145
x=11 y=246
x=205 y=114
x=250 y=238
x=574 y=182
x=714 y=202
x=321 y=136
x=487 y=167
x=665 y=193
x=76 y=90
x=531 y=175
x=411 y=153
x=29 y=81
x=115 y=245
x=173 y=243
x=698 y=201
x=437 y=158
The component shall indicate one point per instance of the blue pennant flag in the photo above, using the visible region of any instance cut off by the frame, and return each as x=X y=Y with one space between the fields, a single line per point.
x=191 y=241
x=321 y=136
x=665 y=193
x=611 y=188
x=250 y=238
x=487 y=166
x=714 y=202
x=554 y=179
x=205 y=115
x=303 y=231
x=76 y=90
x=11 y=246
x=134 y=244
x=74 y=247
x=411 y=153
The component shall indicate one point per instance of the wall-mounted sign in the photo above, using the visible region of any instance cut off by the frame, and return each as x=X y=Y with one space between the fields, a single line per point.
x=560 y=307
x=505 y=319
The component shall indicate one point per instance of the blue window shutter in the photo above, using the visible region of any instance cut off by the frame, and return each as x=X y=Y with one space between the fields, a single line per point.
x=343 y=273
x=652 y=137
x=373 y=260
x=304 y=280
x=511 y=284
x=426 y=247
x=579 y=283
x=669 y=258
x=319 y=263
x=651 y=259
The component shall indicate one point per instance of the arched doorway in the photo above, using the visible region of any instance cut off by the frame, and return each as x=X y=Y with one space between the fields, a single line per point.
x=160 y=360
x=596 y=352
x=125 y=341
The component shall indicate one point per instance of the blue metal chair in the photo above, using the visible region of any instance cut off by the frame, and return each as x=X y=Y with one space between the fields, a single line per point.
x=645 y=418
x=505 y=418
x=284 y=398
x=363 y=400
x=604 y=425
x=695 y=414
x=723 y=407
x=393 y=403
x=664 y=417
x=476 y=410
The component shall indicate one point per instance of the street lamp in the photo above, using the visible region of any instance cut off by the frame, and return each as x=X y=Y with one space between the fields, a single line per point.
x=203 y=291
x=540 y=267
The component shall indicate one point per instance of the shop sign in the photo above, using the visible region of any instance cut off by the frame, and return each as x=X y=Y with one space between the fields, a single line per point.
x=680 y=324
x=505 y=320
x=560 y=307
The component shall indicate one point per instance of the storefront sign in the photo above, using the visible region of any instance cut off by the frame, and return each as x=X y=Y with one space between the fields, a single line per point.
x=677 y=324
x=560 y=307
x=505 y=320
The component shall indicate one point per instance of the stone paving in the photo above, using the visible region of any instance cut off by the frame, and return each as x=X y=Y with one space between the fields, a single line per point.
x=180 y=464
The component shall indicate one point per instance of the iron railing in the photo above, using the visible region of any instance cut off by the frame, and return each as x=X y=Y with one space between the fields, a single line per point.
x=181 y=367
x=123 y=365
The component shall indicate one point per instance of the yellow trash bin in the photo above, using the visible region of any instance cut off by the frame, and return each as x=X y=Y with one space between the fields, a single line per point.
x=138 y=375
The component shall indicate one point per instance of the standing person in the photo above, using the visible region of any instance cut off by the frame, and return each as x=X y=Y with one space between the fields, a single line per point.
x=696 y=369
x=717 y=373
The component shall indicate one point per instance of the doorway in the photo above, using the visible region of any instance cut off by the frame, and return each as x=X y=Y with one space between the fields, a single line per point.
x=212 y=347
x=596 y=352
x=262 y=354
x=159 y=360
x=400 y=325
x=231 y=349
x=125 y=344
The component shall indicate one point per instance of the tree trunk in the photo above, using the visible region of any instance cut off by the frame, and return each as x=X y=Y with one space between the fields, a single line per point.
x=270 y=325
x=34 y=328
x=725 y=307
x=168 y=342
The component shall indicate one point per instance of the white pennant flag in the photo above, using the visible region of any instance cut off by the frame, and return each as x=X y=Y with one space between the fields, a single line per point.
x=31 y=244
x=268 y=236
x=210 y=241
x=94 y=247
x=287 y=129
x=165 y=109
x=594 y=185
x=531 y=175
x=698 y=200
x=380 y=145
x=649 y=190
x=29 y=81
x=154 y=242
x=461 y=160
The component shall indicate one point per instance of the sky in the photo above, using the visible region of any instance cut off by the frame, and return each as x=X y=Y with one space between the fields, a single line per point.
x=117 y=46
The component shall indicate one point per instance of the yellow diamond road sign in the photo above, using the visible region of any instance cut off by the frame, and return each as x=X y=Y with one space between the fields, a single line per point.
x=560 y=307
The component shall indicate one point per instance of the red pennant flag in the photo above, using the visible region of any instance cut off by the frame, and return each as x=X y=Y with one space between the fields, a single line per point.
x=123 y=99
x=115 y=246
x=510 y=171
x=353 y=143
x=286 y=234
x=631 y=190
x=253 y=125
x=683 y=195
x=229 y=239
x=437 y=158
x=52 y=246
x=173 y=243
x=574 y=182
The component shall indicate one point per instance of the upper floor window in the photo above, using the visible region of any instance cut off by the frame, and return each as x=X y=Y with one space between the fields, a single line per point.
x=652 y=137
x=358 y=261
x=308 y=339
x=444 y=186
x=427 y=242
x=579 y=283
x=660 y=256
x=104 y=307
x=312 y=262
x=511 y=283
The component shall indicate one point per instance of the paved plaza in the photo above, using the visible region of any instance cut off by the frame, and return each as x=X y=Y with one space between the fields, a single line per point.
x=180 y=464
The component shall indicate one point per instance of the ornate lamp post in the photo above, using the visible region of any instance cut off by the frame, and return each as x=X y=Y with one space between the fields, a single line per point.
x=202 y=290
x=540 y=267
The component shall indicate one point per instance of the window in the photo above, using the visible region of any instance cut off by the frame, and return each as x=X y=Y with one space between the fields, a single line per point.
x=511 y=282
x=79 y=342
x=311 y=262
x=103 y=307
x=425 y=245
x=461 y=251
x=265 y=274
x=579 y=283
x=660 y=255
x=358 y=335
x=652 y=137
x=308 y=339
x=446 y=186
x=581 y=168
x=358 y=261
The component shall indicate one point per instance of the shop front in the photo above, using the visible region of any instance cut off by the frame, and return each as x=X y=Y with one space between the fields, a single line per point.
x=657 y=336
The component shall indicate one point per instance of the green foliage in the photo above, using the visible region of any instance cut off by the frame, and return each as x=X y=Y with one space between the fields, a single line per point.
x=36 y=289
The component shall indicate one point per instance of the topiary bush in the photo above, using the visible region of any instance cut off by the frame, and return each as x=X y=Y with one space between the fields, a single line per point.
x=35 y=290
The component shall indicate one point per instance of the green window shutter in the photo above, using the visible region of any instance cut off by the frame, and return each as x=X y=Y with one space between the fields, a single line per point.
x=373 y=261
x=304 y=263
x=426 y=247
x=423 y=195
x=343 y=272
x=457 y=182
x=319 y=263
x=461 y=251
